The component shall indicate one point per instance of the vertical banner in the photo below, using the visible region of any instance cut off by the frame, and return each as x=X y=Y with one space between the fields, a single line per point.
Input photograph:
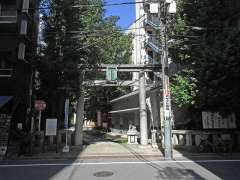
x=66 y=113
x=5 y=122
x=167 y=104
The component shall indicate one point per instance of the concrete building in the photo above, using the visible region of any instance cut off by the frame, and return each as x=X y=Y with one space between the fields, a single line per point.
x=18 y=42
x=146 y=50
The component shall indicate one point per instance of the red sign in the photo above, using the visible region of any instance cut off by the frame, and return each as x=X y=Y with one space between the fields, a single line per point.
x=40 y=105
x=166 y=92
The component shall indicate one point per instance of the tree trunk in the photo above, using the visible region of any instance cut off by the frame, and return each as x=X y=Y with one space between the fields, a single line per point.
x=79 y=122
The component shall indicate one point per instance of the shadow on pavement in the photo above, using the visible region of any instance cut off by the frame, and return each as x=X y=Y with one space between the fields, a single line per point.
x=166 y=170
x=223 y=165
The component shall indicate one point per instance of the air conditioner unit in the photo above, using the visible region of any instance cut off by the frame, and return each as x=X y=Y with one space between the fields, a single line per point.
x=172 y=8
x=154 y=7
x=168 y=1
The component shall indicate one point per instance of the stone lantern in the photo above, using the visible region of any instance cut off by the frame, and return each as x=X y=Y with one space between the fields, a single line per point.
x=132 y=134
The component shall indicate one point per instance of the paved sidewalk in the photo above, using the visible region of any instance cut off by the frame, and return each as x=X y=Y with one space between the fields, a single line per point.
x=102 y=150
x=100 y=145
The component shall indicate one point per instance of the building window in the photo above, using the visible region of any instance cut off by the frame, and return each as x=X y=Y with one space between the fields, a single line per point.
x=5 y=60
x=149 y=32
x=8 y=9
x=150 y=53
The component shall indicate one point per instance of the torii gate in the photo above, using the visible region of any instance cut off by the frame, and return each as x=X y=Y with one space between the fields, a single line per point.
x=141 y=69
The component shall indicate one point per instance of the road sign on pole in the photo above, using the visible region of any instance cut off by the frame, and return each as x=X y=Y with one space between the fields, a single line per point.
x=111 y=74
x=40 y=105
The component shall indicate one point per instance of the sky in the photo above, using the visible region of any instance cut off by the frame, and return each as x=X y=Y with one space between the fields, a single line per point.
x=125 y=12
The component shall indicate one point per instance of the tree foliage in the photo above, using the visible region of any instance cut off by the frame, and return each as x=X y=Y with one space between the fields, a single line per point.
x=184 y=89
x=76 y=33
x=207 y=43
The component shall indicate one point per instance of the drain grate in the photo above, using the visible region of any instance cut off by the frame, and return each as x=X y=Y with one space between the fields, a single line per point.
x=103 y=174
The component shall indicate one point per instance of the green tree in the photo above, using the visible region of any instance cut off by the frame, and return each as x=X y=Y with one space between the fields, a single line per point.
x=76 y=33
x=211 y=44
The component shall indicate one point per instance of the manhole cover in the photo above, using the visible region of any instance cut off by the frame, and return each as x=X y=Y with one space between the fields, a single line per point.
x=103 y=174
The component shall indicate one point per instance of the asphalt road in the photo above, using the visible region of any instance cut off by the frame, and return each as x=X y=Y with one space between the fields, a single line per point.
x=119 y=170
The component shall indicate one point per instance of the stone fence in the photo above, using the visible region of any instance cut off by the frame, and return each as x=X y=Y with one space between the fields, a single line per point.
x=193 y=138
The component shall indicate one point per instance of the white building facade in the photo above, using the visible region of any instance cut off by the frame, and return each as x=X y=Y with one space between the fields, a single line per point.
x=146 y=50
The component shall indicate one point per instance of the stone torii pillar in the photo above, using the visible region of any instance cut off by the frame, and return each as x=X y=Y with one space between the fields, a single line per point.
x=143 y=109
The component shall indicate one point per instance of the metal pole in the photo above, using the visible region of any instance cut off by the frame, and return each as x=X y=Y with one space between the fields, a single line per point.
x=143 y=111
x=166 y=96
x=66 y=147
x=32 y=125
x=29 y=109
x=66 y=138
x=39 y=120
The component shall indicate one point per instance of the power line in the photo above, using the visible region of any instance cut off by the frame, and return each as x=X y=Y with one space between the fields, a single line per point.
x=92 y=5
x=112 y=4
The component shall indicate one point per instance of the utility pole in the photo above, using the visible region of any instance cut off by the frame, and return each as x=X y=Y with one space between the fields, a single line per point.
x=167 y=110
x=166 y=102
x=142 y=110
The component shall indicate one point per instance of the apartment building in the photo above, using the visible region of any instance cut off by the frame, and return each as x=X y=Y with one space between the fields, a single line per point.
x=146 y=50
x=18 y=42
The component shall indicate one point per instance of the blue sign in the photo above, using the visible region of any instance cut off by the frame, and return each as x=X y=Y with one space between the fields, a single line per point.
x=66 y=113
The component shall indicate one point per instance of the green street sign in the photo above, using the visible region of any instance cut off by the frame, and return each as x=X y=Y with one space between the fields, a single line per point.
x=111 y=74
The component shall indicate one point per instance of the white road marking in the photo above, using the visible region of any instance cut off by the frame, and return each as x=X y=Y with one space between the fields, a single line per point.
x=112 y=163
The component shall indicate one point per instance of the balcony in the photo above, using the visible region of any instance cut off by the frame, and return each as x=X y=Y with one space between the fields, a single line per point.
x=5 y=73
x=153 y=44
x=34 y=3
x=8 y=24
x=8 y=16
x=150 y=60
x=8 y=19
x=152 y=21
x=150 y=1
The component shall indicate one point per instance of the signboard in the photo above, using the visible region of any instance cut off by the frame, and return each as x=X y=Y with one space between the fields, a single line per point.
x=40 y=105
x=5 y=121
x=51 y=127
x=216 y=121
x=111 y=74
x=167 y=104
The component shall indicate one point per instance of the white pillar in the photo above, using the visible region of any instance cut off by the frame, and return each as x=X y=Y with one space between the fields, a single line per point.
x=23 y=27
x=99 y=118
x=21 y=51
x=143 y=110
x=155 y=112
x=79 y=121
x=25 y=5
x=74 y=118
